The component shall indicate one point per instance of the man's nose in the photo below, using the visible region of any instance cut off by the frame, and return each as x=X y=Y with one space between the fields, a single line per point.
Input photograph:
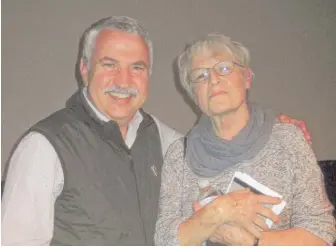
x=123 y=77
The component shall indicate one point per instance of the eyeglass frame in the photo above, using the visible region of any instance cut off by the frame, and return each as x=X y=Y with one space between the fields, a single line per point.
x=212 y=68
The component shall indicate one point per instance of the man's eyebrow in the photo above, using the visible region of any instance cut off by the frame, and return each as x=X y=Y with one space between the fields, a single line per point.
x=108 y=59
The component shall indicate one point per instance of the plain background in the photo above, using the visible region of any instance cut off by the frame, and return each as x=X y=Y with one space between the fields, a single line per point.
x=292 y=44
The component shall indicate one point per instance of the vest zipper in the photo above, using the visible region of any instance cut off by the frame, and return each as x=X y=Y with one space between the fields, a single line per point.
x=137 y=191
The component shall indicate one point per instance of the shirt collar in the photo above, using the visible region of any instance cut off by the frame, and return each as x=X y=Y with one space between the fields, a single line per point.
x=133 y=126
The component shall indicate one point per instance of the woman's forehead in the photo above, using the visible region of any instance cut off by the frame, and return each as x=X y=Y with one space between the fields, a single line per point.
x=209 y=56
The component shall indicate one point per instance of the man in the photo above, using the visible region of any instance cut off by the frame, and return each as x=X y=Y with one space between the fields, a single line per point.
x=90 y=173
x=102 y=152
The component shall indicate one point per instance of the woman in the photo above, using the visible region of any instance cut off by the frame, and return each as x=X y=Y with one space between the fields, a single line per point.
x=236 y=135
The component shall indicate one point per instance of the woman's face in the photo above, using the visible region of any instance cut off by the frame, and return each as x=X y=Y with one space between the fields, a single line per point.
x=219 y=94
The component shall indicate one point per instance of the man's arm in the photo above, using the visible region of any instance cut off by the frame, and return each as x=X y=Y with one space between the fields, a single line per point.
x=34 y=180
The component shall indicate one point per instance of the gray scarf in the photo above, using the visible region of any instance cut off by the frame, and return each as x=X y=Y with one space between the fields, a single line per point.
x=207 y=155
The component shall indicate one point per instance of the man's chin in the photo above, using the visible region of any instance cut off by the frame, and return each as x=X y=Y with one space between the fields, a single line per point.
x=122 y=114
x=121 y=109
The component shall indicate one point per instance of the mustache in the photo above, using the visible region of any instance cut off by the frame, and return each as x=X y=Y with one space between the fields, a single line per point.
x=122 y=90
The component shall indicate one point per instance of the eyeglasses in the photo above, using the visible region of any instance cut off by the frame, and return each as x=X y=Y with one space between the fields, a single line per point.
x=203 y=74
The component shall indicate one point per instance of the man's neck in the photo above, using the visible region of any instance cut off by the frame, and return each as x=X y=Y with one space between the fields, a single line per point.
x=123 y=126
x=228 y=125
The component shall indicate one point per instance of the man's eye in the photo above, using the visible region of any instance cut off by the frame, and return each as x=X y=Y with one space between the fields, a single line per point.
x=109 y=65
x=138 y=68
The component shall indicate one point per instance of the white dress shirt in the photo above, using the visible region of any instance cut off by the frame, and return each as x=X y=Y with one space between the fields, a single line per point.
x=35 y=180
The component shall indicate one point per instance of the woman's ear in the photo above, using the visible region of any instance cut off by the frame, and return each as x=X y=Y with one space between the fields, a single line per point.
x=248 y=78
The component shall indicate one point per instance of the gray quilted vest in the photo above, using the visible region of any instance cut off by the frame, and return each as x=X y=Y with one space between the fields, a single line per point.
x=111 y=193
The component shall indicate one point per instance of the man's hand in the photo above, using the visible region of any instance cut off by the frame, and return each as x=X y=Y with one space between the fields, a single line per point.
x=230 y=234
x=301 y=124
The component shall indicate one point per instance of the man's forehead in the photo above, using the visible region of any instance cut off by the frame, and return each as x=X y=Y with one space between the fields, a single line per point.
x=116 y=39
x=121 y=46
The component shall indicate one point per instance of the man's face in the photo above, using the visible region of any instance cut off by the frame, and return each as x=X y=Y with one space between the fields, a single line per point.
x=118 y=60
x=219 y=94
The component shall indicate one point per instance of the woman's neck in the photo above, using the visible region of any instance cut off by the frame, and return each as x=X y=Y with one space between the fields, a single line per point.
x=228 y=125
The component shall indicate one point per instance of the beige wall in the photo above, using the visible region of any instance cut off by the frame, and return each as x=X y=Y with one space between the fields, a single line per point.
x=292 y=44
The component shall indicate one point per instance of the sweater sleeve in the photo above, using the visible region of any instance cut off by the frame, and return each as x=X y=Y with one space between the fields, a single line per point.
x=170 y=205
x=311 y=209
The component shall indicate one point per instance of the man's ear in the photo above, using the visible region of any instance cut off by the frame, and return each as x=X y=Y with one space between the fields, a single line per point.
x=248 y=78
x=84 y=73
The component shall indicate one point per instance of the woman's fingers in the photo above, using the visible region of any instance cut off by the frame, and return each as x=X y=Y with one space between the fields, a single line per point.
x=253 y=229
x=196 y=206
x=263 y=199
x=239 y=192
x=268 y=213
x=260 y=222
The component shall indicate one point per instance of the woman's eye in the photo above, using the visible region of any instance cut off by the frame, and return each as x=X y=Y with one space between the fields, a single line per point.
x=202 y=76
x=224 y=69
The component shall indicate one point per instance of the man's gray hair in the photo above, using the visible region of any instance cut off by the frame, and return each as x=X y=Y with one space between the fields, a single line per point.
x=121 y=23
x=217 y=43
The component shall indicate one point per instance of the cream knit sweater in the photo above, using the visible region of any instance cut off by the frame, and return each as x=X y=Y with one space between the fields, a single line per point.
x=286 y=164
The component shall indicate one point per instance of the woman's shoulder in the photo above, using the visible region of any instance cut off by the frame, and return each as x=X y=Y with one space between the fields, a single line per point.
x=176 y=150
x=290 y=138
x=174 y=161
x=287 y=132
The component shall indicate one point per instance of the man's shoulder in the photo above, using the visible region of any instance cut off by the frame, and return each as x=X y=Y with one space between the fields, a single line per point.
x=32 y=147
x=35 y=135
x=57 y=116
x=165 y=127
x=55 y=121
x=168 y=135
x=37 y=140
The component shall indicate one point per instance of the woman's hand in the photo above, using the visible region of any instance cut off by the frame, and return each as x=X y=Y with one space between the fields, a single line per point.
x=245 y=209
x=230 y=234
